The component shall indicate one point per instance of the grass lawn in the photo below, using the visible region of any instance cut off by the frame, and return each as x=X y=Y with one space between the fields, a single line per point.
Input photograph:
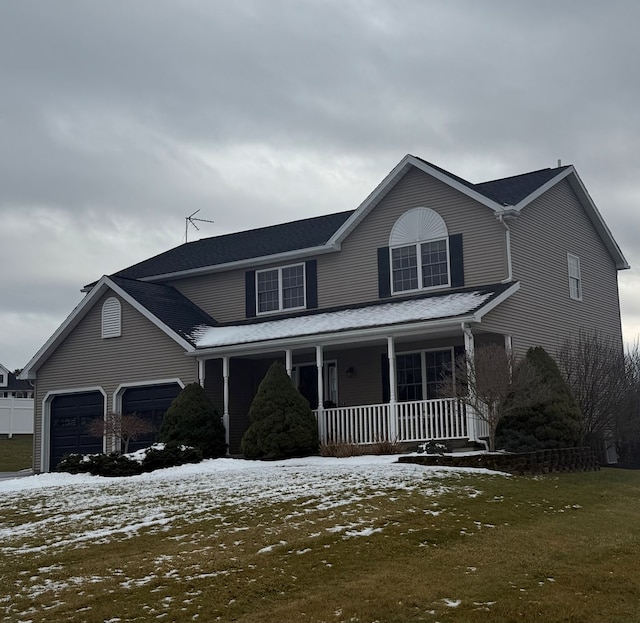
x=16 y=453
x=394 y=543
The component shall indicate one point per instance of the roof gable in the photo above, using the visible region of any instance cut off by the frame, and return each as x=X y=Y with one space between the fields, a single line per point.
x=162 y=305
x=325 y=234
x=503 y=196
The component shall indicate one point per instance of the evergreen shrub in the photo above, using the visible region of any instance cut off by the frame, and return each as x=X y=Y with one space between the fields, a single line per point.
x=552 y=422
x=282 y=424
x=192 y=420
x=170 y=456
x=114 y=464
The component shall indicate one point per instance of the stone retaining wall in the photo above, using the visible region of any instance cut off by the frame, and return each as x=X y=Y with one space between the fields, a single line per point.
x=539 y=462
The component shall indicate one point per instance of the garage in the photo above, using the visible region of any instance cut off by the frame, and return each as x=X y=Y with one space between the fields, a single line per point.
x=151 y=403
x=70 y=416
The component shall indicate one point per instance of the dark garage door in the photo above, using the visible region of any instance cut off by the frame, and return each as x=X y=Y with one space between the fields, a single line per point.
x=150 y=402
x=70 y=416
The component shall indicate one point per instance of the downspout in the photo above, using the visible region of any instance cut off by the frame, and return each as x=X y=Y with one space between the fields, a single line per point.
x=507 y=239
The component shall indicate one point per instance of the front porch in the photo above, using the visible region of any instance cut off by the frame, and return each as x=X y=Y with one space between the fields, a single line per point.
x=370 y=374
x=402 y=422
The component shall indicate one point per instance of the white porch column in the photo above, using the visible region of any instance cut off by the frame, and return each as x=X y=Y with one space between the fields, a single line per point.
x=288 y=361
x=469 y=351
x=319 y=366
x=393 y=410
x=225 y=398
x=201 y=371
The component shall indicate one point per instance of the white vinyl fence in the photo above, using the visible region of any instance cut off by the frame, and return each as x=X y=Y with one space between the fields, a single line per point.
x=16 y=416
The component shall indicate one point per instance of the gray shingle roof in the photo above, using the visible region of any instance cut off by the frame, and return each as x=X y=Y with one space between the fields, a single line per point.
x=303 y=234
x=168 y=305
x=15 y=384
x=306 y=233
x=512 y=190
x=507 y=190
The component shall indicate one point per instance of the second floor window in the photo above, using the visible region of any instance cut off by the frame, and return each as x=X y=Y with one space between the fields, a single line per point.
x=575 y=279
x=418 y=266
x=280 y=288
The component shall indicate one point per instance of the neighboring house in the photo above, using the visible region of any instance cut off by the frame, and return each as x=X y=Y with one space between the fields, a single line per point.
x=366 y=309
x=16 y=404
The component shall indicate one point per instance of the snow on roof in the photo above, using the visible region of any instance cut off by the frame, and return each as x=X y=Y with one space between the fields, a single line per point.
x=415 y=310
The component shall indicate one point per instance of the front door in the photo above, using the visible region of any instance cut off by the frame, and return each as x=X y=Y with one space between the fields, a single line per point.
x=305 y=378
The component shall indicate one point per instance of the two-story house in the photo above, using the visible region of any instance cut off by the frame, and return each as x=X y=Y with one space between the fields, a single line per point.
x=367 y=309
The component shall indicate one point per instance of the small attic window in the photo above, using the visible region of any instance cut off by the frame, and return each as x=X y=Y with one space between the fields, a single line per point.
x=111 y=318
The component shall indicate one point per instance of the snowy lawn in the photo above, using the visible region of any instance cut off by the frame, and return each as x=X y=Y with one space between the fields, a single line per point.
x=319 y=539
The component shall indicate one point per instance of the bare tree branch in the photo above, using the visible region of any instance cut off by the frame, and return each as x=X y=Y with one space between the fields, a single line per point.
x=123 y=428
x=598 y=374
x=494 y=383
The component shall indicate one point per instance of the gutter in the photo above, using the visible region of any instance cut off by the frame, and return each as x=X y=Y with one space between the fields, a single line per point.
x=246 y=263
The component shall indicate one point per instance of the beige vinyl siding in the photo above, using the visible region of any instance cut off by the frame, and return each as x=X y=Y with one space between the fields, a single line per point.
x=85 y=359
x=542 y=311
x=221 y=295
x=350 y=276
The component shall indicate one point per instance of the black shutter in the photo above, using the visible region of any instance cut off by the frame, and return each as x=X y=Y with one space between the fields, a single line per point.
x=384 y=273
x=311 y=283
x=384 y=366
x=457 y=263
x=250 y=293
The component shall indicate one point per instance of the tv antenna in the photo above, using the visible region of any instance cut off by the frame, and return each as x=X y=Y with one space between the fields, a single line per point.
x=191 y=220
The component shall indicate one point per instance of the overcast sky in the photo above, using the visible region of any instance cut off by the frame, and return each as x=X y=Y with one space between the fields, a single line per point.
x=120 y=118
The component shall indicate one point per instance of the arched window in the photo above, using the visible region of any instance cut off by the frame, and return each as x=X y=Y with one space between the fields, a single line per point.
x=111 y=318
x=419 y=248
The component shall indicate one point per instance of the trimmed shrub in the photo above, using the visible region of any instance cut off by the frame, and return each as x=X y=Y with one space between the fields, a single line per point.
x=192 y=420
x=282 y=422
x=553 y=422
x=99 y=465
x=148 y=460
x=169 y=456
x=75 y=463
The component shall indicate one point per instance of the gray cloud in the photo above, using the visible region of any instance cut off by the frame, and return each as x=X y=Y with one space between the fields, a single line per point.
x=118 y=119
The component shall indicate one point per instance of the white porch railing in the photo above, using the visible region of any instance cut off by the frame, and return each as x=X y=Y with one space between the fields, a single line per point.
x=420 y=420
x=16 y=416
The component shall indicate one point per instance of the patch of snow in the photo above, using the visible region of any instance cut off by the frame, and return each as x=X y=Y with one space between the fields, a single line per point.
x=364 y=532
x=452 y=603
x=430 y=308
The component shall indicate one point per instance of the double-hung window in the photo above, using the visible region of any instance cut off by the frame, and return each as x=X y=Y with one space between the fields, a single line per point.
x=575 y=280
x=420 y=266
x=424 y=374
x=279 y=289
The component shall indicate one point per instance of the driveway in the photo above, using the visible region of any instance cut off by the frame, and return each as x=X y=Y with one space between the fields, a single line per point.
x=21 y=474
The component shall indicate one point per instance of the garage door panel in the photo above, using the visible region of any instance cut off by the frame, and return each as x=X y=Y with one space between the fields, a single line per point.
x=71 y=414
x=150 y=403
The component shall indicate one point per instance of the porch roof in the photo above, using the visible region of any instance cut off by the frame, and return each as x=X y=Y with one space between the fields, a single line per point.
x=469 y=304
